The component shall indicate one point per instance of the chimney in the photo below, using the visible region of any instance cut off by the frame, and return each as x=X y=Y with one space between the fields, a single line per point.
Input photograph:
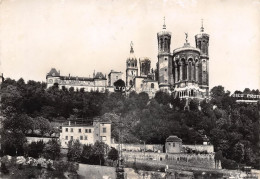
x=69 y=123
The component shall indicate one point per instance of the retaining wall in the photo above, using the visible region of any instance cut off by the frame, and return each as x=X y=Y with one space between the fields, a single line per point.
x=201 y=160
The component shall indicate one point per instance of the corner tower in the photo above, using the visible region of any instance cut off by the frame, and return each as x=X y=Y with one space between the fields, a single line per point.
x=165 y=77
x=202 y=42
x=131 y=68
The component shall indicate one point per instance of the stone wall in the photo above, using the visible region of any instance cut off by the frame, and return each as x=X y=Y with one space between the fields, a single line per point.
x=201 y=148
x=36 y=139
x=158 y=147
x=139 y=147
x=200 y=160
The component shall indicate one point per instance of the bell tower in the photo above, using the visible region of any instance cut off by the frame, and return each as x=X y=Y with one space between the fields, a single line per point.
x=165 y=77
x=202 y=42
x=131 y=68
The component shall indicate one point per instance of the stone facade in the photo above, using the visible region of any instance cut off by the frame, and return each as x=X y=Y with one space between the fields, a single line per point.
x=181 y=159
x=145 y=81
x=144 y=84
x=97 y=83
x=113 y=76
x=86 y=134
x=131 y=68
x=145 y=66
x=185 y=71
x=200 y=148
x=173 y=144
x=164 y=60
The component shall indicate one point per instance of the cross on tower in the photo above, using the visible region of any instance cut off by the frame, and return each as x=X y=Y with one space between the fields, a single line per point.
x=164 y=26
x=202 y=28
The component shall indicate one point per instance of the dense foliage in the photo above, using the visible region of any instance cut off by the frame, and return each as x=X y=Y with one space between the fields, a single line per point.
x=232 y=128
x=89 y=154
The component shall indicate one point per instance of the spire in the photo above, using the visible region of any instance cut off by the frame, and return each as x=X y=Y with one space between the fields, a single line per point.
x=131 y=45
x=164 y=26
x=186 y=39
x=202 y=28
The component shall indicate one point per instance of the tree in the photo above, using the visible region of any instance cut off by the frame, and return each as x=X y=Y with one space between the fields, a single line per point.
x=113 y=154
x=43 y=125
x=217 y=91
x=74 y=150
x=120 y=85
x=100 y=149
x=35 y=149
x=87 y=154
x=52 y=149
x=162 y=97
x=239 y=152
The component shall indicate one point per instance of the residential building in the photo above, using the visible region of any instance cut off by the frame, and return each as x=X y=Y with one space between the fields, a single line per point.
x=86 y=134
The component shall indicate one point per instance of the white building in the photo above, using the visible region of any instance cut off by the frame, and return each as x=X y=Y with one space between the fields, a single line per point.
x=97 y=83
x=86 y=134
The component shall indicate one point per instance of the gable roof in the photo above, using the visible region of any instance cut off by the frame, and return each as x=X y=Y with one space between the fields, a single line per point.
x=53 y=72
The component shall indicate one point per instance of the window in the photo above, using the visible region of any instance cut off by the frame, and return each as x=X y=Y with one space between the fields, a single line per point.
x=66 y=138
x=79 y=130
x=152 y=85
x=173 y=144
x=116 y=77
x=165 y=69
x=104 y=130
x=66 y=129
x=86 y=130
x=165 y=81
x=81 y=137
x=165 y=59
x=169 y=143
x=71 y=137
x=71 y=129
x=131 y=82
x=89 y=130
x=86 y=137
x=103 y=138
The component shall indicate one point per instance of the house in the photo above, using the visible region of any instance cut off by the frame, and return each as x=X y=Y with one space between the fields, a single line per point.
x=86 y=134
x=173 y=144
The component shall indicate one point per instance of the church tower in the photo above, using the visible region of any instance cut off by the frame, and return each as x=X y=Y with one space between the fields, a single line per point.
x=165 y=77
x=202 y=42
x=131 y=68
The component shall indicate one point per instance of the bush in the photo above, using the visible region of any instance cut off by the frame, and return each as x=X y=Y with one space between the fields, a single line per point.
x=229 y=164
x=35 y=149
x=4 y=169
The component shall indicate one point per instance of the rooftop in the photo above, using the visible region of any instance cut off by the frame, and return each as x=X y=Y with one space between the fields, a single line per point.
x=186 y=47
x=173 y=138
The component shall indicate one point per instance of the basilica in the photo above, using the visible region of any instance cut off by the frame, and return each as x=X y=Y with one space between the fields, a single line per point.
x=183 y=72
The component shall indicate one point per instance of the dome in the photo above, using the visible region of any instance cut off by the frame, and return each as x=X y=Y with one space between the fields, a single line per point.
x=186 y=47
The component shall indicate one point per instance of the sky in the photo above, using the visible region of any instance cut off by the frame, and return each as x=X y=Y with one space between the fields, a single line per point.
x=79 y=36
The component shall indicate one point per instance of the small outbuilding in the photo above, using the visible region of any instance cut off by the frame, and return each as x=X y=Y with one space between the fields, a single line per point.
x=173 y=144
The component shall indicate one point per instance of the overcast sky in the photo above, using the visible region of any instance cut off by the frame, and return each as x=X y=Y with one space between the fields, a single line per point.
x=79 y=36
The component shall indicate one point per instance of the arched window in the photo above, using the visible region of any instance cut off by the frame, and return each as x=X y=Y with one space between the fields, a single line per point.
x=130 y=82
x=184 y=71
x=152 y=85
x=190 y=71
